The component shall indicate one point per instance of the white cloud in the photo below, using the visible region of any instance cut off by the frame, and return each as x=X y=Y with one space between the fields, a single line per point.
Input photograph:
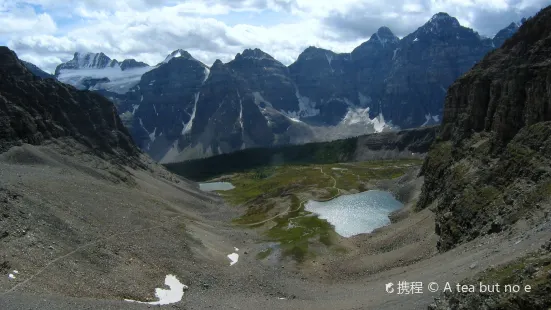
x=47 y=32
x=24 y=20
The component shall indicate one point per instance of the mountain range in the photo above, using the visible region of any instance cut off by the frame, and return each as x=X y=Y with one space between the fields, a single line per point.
x=181 y=108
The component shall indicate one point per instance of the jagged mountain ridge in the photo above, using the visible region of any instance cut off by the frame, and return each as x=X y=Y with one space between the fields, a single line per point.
x=36 y=70
x=385 y=82
x=96 y=71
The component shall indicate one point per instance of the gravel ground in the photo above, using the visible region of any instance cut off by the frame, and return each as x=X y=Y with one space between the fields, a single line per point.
x=86 y=234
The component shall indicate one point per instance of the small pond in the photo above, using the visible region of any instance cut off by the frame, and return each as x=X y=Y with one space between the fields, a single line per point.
x=216 y=186
x=357 y=213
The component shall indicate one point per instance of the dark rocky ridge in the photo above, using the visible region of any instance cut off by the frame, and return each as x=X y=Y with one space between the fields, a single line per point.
x=164 y=101
x=131 y=63
x=404 y=80
x=37 y=71
x=227 y=117
x=504 y=34
x=35 y=110
x=490 y=165
x=324 y=78
x=426 y=62
x=192 y=111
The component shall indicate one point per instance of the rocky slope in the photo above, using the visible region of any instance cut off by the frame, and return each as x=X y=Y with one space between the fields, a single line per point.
x=37 y=71
x=183 y=109
x=531 y=275
x=489 y=171
x=490 y=160
x=34 y=110
x=505 y=34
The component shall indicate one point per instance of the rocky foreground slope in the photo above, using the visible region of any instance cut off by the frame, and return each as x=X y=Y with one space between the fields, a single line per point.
x=489 y=171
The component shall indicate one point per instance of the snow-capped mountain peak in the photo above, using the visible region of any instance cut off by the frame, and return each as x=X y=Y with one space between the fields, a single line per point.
x=384 y=36
x=178 y=53
x=98 y=71
x=86 y=60
x=442 y=26
x=91 y=60
x=443 y=19
x=256 y=54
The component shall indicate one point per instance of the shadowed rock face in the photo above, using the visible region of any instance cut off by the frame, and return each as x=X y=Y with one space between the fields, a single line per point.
x=131 y=63
x=326 y=79
x=505 y=34
x=490 y=165
x=37 y=71
x=34 y=110
x=163 y=102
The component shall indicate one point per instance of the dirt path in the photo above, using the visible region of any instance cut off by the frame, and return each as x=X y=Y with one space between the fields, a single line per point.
x=59 y=258
x=288 y=210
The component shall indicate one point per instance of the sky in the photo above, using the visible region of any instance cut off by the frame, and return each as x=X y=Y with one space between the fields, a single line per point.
x=48 y=32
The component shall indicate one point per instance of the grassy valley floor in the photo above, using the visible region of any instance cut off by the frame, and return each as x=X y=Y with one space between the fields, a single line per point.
x=272 y=202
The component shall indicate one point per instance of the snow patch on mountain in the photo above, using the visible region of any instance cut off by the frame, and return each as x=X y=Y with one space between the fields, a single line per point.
x=151 y=139
x=380 y=40
x=188 y=126
x=152 y=135
x=207 y=74
x=431 y=120
x=119 y=81
x=427 y=119
x=234 y=258
x=394 y=53
x=175 y=54
x=360 y=116
x=135 y=108
x=241 y=117
x=329 y=58
x=90 y=60
x=170 y=296
x=379 y=123
x=307 y=107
